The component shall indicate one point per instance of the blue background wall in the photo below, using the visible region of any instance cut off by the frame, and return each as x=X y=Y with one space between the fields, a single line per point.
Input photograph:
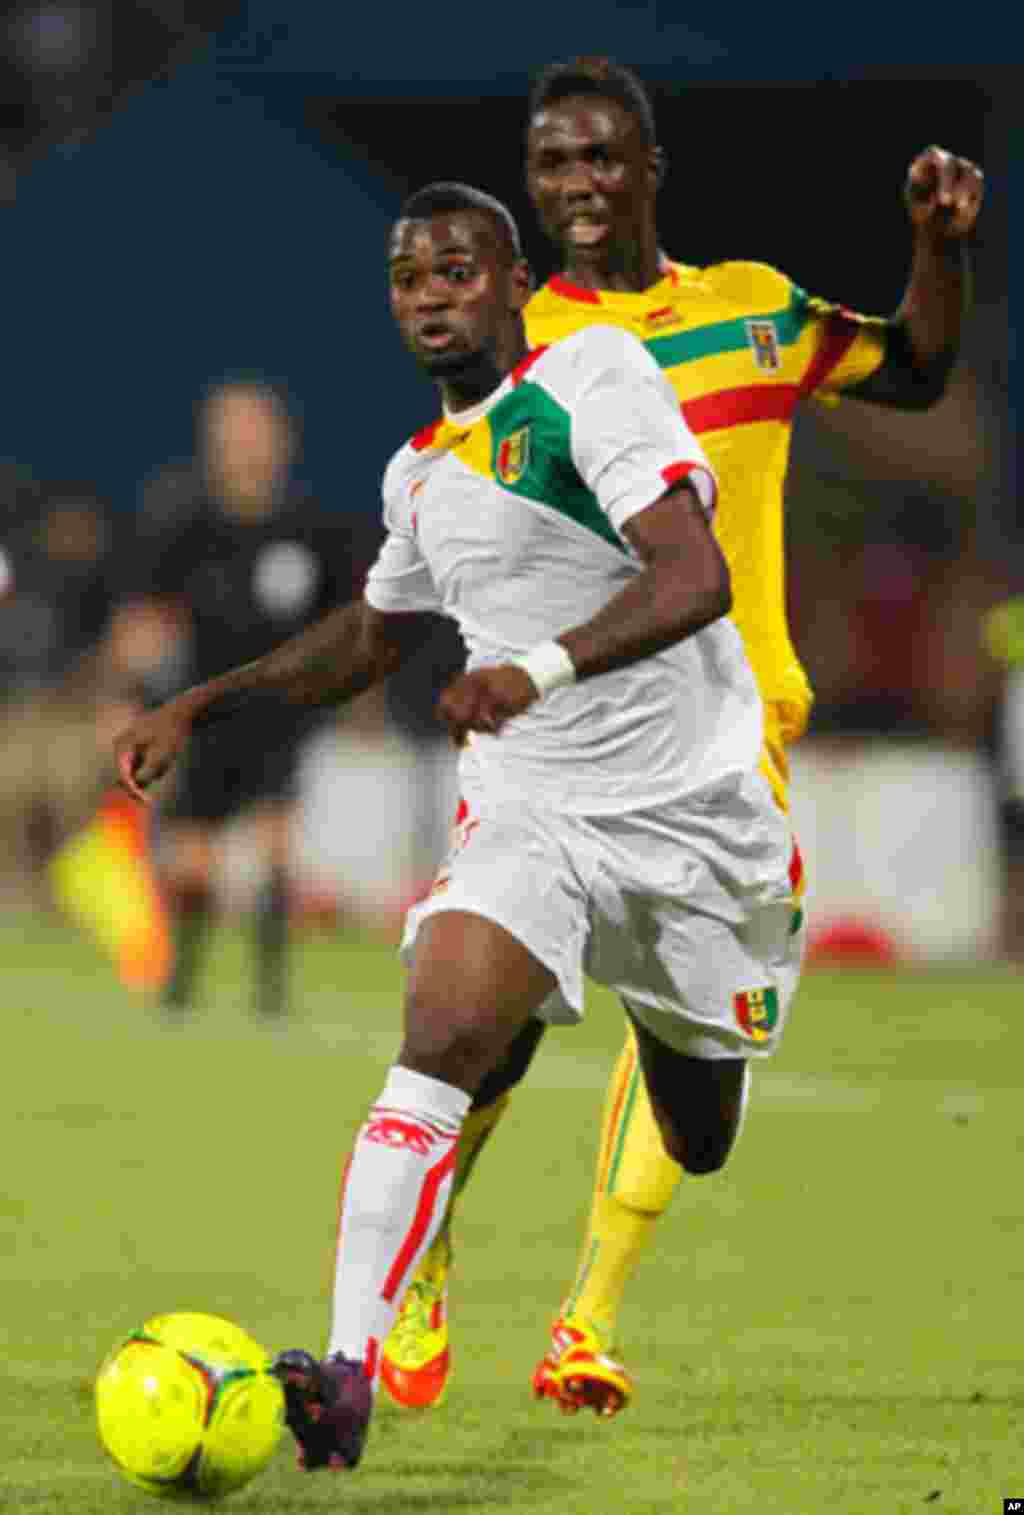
x=208 y=228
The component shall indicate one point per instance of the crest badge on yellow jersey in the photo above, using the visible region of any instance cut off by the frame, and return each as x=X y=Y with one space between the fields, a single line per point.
x=764 y=339
x=757 y=1012
x=665 y=315
x=513 y=456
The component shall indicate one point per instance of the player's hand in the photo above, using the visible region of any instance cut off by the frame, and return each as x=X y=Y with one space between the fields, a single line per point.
x=485 y=699
x=943 y=193
x=147 y=748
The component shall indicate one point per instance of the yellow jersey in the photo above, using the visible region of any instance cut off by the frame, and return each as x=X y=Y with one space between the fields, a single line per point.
x=742 y=345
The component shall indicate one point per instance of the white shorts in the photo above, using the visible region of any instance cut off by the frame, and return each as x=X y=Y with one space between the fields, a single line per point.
x=689 y=912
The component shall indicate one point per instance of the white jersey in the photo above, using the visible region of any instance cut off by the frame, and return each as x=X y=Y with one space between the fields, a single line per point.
x=508 y=518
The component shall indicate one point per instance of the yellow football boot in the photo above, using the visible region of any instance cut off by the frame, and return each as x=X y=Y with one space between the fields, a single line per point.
x=415 y=1363
x=577 y=1372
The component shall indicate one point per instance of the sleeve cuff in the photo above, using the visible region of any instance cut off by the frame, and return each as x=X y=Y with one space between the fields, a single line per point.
x=700 y=479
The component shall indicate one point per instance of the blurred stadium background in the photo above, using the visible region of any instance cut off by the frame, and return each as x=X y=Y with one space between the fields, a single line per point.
x=191 y=189
x=194 y=188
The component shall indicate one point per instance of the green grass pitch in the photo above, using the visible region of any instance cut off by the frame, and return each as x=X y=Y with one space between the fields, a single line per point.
x=832 y=1324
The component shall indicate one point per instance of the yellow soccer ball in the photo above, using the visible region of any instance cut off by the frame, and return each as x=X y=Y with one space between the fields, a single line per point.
x=187 y=1409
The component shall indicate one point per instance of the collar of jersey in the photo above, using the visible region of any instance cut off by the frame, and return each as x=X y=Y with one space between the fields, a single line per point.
x=460 y=419
x=622 y=299
x=455 y=426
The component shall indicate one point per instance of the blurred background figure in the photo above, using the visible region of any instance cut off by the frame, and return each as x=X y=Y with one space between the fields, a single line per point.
x=59 y=565
x=1003 y=635
x=239 y=560
x=902 y=529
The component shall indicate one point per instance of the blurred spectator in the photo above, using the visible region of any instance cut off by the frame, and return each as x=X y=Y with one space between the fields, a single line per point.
x=1010 y=757
x=19 y=497
x=58 y=568
x=242 y=560
x=1003 y=638
x=888 y=586
x=55 y=767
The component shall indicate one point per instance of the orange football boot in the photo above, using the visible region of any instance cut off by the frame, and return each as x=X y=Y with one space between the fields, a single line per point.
x=577 y=1372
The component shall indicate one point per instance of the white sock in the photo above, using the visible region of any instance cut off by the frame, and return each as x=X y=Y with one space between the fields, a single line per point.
x=395 y=1194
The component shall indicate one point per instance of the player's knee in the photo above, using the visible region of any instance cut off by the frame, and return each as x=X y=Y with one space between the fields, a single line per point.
x=704 y=1159
x=696 y=1152
x=513 y=1066
x=455 y=1048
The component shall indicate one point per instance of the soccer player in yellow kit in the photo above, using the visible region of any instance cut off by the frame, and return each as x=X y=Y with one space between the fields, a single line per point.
x=743 y=346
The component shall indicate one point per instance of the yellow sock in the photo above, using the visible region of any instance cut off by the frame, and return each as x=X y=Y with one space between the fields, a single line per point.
x=634 y=1183
x=474 y=1136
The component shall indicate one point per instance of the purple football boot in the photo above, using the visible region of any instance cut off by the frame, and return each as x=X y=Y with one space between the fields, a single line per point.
x=327 y=1407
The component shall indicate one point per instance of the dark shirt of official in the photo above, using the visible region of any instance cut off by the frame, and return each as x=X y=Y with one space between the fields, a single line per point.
x=248 y=584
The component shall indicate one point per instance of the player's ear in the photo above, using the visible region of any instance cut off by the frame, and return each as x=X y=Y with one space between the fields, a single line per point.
x=659 y=165
x=521 y=283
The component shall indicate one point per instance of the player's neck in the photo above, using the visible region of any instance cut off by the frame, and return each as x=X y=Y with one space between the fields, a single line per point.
x=627 y=269
x=480 y=378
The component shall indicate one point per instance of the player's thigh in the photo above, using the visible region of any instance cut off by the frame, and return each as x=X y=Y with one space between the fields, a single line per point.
x=472 y=987
x=697 y=1102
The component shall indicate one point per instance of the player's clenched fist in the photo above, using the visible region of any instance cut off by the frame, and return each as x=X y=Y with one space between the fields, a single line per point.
x=485 y=699
x=147 y=748
x=943 y=192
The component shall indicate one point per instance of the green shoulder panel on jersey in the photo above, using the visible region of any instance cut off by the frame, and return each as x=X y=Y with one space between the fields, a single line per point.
x=531 y=456
x=732 y=335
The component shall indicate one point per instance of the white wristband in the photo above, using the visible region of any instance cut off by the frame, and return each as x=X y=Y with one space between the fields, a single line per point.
x=549 y=666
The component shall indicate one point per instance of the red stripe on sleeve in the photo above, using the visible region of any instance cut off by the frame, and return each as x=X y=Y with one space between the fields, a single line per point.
x=739 y=407
x=836 y=340
x=421 y=1220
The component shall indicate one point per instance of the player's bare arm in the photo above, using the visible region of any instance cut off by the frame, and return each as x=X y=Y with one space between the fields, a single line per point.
x=343 y=654
x=683 y=587
x=943 y=195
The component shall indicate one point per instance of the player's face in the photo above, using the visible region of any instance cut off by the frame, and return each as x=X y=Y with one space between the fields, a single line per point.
x=592 y=178
x=452 y=290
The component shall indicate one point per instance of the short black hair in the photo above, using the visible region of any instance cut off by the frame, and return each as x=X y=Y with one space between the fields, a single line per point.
x=595 y=76
x=448 y=195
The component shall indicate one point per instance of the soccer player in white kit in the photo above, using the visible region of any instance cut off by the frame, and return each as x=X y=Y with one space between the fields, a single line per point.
x=614 y=818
